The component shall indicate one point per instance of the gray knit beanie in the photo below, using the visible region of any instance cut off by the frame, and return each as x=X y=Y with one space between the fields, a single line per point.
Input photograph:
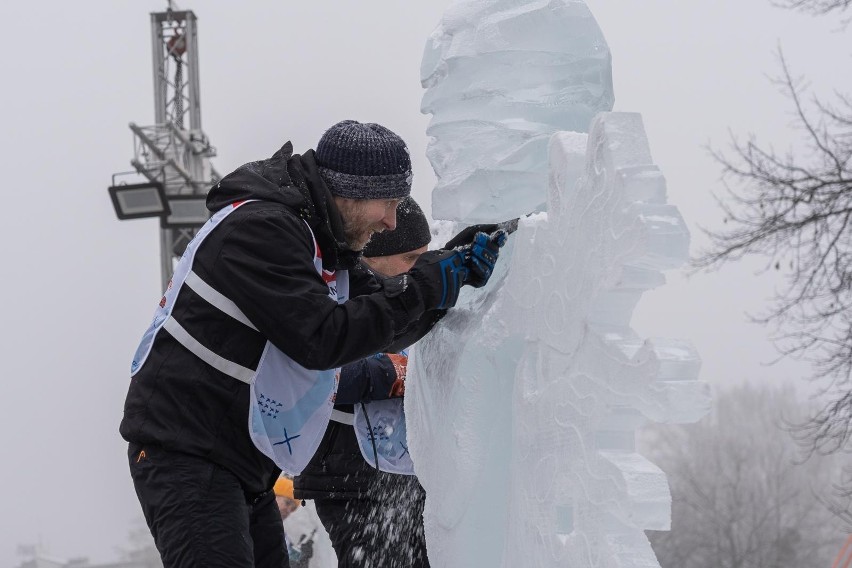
x=364 y=161
x=411 y=233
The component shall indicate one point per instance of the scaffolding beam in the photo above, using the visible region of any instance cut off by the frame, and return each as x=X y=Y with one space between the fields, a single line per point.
x=174 y=150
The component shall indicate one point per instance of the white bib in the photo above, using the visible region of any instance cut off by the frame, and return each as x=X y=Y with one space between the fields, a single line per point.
x=290 y=405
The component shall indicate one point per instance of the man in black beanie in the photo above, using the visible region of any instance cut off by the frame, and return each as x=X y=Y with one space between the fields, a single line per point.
x=365 y=166
x=235 y=378
x=393 y=252
x=374 y=518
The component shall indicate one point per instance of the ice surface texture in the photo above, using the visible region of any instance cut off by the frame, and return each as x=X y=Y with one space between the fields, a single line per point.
x=501 y=78
x=523 y=403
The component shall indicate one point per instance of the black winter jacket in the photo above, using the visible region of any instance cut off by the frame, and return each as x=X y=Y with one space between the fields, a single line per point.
x=261 y=258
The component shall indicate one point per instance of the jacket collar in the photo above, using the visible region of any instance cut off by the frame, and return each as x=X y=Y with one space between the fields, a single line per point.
x=294 y=181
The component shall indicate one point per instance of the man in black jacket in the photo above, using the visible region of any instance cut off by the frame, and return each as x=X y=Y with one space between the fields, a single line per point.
x=234 y=380
x=374 y=518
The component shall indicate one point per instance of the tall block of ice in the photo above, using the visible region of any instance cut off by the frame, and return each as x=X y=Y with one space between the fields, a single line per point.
x=502 y=76
x=523 y=403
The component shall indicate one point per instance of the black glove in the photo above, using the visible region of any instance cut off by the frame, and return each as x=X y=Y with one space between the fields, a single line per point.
x=481 y=256
x=465 y=236
x=439 y=275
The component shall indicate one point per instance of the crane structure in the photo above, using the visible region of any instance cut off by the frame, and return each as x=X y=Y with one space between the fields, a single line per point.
x=173 y=154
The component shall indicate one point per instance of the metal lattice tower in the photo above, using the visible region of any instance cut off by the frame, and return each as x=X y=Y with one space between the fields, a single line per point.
x=174 y=150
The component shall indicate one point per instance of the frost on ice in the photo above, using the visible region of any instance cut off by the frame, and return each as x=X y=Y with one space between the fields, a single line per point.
x=523 y=404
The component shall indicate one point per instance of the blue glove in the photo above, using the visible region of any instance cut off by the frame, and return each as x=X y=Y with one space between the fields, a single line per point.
x=481 y=256
x=439 y=275
x=465 y=236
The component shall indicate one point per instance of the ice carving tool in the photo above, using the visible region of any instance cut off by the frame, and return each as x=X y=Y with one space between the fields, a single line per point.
x=509 y=226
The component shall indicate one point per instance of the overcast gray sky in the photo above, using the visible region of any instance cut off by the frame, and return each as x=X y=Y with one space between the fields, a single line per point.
x=79 y=287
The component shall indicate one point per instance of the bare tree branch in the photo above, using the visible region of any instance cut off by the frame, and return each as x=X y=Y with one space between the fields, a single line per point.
x=818 y=7
x=740 y=495
x=795 y=210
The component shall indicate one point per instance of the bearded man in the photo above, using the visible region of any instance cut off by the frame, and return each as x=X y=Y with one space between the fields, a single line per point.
x=235 y=378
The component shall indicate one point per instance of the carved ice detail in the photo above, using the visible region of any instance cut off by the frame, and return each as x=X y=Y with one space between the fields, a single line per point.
x=523 y=404
x=502 y=76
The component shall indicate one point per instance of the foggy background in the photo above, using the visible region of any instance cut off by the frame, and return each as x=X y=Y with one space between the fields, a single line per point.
x=79 y=287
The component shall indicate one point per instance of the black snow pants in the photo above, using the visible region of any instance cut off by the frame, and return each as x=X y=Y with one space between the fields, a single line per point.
x=200 y=516
x=382 y=532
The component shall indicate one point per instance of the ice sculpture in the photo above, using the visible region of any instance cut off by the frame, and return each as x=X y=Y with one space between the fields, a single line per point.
x=502 y=77
x=522 y=405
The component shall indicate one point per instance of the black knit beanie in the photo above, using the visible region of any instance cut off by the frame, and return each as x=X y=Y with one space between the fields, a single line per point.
x=364 y=161
x=411 y=233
